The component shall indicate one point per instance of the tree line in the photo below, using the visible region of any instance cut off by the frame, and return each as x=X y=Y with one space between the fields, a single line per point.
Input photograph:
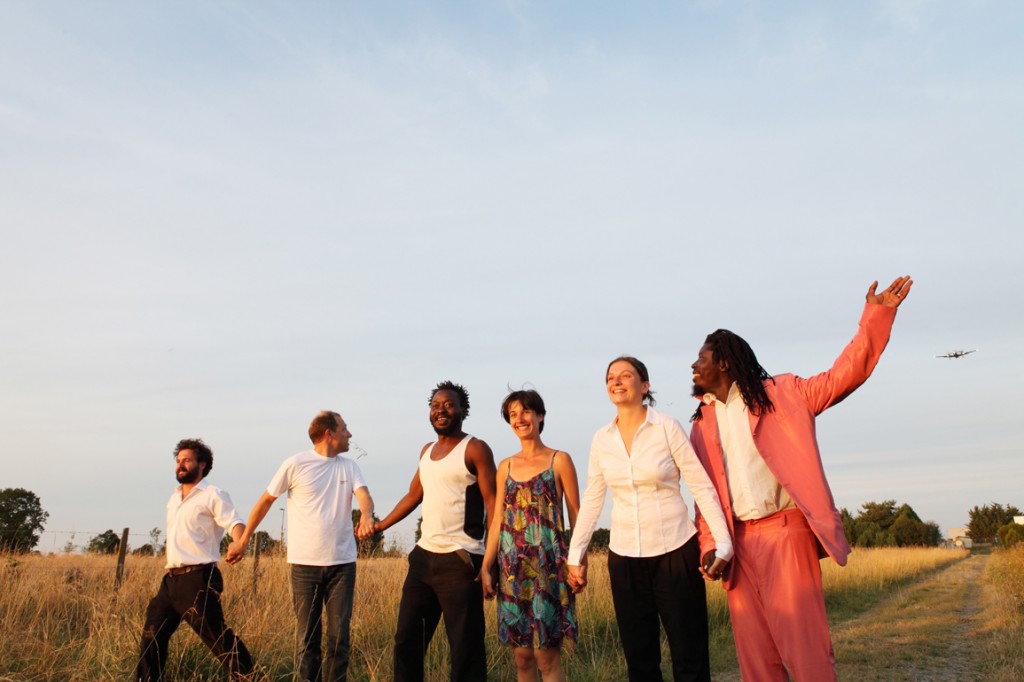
x=877 y=524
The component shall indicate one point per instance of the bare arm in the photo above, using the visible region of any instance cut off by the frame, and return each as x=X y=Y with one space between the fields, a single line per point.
x=365 y=528
x=404 y=507
x=236 y=550
x=569 y=483
x=494 y=535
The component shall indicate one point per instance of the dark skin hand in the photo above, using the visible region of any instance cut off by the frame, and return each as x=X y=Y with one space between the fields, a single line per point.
x=711 y=567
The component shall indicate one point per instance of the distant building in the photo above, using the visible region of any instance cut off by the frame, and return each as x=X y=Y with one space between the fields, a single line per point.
x=957 y=537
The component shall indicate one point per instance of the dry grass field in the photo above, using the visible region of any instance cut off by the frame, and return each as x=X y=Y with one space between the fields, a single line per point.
x=62 y=620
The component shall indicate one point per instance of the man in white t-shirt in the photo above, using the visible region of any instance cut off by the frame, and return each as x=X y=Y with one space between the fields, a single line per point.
x=197 y=516
x=321 y=544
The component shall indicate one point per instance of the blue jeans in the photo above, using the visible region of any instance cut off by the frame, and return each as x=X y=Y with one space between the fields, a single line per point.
x=314 y=589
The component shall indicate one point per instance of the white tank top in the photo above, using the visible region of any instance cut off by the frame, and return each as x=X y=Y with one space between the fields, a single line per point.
x=453 y=508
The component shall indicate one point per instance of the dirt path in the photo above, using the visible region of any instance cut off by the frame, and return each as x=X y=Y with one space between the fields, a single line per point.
x=923 y=633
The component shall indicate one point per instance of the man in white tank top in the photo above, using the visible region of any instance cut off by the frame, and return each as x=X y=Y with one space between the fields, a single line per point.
x=455 y=484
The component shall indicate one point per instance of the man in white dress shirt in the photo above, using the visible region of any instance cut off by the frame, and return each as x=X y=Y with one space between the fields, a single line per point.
x=197 y=516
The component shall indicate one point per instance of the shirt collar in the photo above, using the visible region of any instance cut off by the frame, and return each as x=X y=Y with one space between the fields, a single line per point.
x=652 y=418
x=199 y=486
x=710 y=399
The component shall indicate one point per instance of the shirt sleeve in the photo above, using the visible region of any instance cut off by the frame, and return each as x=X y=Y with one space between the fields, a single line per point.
x=223 y=510
x=282 y=480
x=590 y=507
x=357 y=477
x=701 y=487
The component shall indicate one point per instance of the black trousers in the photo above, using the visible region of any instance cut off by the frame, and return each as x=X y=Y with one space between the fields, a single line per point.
x=436 y=585
x=194 y=598
x=668 y=587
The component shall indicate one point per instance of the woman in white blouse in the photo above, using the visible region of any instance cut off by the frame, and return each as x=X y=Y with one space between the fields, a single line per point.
x=653 y=555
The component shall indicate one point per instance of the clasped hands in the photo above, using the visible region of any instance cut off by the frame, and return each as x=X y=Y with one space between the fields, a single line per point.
x=712 y=568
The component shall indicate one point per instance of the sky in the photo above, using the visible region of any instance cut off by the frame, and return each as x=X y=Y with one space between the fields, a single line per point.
x=221 y=218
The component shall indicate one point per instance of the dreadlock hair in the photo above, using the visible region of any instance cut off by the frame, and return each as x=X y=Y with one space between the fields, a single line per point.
x=744 y=369
x=457 y=389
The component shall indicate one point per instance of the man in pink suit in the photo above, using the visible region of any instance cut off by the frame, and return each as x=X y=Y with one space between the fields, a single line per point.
x=755 y=436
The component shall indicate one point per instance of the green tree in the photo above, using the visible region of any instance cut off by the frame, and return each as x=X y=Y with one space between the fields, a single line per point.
x=600 y=539
x=373 y=545
x=984 y=522
x=106 y=542
x=884 y=524
x=21 y=519
x=1010 y=534
x=883 y=513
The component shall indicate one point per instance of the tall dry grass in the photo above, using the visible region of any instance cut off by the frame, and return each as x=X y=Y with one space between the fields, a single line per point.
x=62 y=620
x=1004 y=660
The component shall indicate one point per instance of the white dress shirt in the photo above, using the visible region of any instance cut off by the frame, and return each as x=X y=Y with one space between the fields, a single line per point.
x=196 y=524
x=649 y=514
x=754 y=491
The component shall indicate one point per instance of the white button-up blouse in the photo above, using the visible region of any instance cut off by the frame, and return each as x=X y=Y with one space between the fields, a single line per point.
x=649 y=514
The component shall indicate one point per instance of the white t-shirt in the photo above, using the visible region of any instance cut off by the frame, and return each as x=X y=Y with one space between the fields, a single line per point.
x=320 y=493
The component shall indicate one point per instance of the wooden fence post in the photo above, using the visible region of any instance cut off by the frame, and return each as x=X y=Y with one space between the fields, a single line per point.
x=255 y=564
x=122 y=550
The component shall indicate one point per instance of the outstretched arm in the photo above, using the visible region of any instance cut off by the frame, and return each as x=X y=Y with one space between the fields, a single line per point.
x=893 y=295
x=404 y=507
x=236 y=550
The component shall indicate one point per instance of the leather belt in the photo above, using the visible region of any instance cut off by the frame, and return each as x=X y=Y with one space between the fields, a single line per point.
x=182 y=570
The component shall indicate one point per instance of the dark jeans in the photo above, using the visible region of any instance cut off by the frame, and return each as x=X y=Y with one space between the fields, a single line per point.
x=194 y=598
x=315 y=589
x=669 y=587
x=436 y=585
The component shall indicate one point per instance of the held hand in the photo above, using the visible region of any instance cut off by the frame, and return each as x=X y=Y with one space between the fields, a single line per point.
x=365 y=529
x=577 y=578
x=893 y=295
x=236 y=550
x=487 y=582
x=715 y=570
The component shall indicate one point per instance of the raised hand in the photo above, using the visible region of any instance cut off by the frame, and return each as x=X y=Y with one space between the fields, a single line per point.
x=893 y=295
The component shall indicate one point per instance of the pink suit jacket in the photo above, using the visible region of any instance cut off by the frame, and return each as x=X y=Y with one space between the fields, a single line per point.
x=786 y=437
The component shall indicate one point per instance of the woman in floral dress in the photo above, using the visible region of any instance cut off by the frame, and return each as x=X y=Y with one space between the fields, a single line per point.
x=526 y=545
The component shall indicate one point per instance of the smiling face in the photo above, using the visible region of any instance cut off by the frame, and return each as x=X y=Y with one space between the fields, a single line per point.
x=446 y=413
x=187 y=468
x=525 y=422
x=625 y=387
x=709 y=376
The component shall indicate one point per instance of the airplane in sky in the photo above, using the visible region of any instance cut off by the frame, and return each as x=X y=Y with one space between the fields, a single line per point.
x=953 y=354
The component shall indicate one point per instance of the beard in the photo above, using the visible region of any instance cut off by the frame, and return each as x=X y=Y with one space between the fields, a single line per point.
x=187 y=476
x=698 y=390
